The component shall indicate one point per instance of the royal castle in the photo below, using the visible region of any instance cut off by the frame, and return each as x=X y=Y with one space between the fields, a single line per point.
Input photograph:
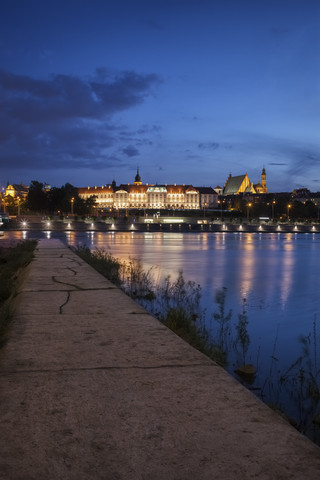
x=177 y=197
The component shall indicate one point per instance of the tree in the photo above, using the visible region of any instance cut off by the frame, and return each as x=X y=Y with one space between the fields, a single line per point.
x=37 y=198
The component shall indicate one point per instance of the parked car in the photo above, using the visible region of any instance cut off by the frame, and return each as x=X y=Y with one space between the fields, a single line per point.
x=4 y=217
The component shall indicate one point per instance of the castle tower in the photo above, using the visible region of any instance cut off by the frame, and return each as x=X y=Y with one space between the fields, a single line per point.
x=137 y=180
x=264 y=180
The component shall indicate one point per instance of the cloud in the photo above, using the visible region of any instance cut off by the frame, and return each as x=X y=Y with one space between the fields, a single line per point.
x=209 y=145
x=303 y=162
x=273 y=163
x=131 y=151
x=66 y=121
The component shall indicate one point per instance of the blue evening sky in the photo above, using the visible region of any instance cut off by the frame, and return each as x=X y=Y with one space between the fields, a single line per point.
x=189 y=91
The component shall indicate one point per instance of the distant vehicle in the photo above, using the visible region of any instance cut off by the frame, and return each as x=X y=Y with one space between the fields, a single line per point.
x=4 y=217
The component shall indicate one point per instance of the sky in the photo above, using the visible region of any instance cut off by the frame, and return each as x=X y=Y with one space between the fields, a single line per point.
x=187 y=91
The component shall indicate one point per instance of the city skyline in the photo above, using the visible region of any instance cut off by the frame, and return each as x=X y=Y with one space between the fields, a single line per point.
x=189 y=91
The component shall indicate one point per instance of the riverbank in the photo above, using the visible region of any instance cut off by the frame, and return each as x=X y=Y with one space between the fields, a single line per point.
x=158 y=224
x=93 y=387
x=13 y=261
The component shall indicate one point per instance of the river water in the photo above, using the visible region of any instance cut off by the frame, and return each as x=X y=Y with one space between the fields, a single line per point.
x=277 y=274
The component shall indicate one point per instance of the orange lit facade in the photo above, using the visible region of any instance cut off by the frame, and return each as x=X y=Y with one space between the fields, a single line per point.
x=242 y=184
x=184 y=197
x=16 y=191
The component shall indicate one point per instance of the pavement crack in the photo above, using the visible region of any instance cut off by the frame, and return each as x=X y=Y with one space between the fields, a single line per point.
x=65 y=303
x=73 y=271
x=78 y=262
x=55 y=280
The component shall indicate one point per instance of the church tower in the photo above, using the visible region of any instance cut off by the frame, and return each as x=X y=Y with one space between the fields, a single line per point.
x=264 y=180
x=137 y=180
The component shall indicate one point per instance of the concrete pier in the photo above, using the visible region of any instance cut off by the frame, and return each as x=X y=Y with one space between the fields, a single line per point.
x=92 y=387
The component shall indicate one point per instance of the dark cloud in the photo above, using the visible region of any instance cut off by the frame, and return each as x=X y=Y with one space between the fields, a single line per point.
x=149 y=129
x=304 y=161
x=209 y=145
x=273 y=163
x=131 y=151
x=65 y=121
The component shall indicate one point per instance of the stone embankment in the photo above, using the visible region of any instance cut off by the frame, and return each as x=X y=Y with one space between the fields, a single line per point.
x=93 y=387
x=160 y=224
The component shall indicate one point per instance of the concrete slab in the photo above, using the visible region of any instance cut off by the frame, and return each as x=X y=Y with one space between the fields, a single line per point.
x=92 y=387
x=98 y=341
x=70 y=301
x=145 y=424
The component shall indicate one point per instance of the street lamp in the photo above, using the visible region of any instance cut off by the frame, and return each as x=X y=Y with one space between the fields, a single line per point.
x=273 y=204
x=72 y=200
x=18 y=200
x=220 y=203
x=288 y=211
x=248 y=210
x=4 y=204
x=204 y=209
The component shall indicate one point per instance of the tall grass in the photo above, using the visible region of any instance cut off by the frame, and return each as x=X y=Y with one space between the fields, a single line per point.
x=12 y=261
x=296 y=390
x=103 y=262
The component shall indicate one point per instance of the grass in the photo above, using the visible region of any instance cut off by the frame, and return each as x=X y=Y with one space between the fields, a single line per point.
x=103 y=262
x=12 y=261
x=183 y=324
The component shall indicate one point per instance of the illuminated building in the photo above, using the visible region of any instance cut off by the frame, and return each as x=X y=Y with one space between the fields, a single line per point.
x=242 y=184
x=139 y=195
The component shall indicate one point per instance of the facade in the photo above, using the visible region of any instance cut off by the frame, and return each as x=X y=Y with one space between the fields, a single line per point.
x=242 y=184
x=103 y=195
x=176 y=197
x=237 y=185
x=139 y=195
x=17 y=191
x=208 y=197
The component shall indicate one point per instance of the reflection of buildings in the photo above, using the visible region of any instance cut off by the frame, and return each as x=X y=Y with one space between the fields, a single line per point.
x=242 y=184
x=139 y=195
x=287 y=270
x=247 y=267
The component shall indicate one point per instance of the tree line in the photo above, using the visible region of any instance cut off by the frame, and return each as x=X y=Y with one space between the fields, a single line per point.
x=53 y=201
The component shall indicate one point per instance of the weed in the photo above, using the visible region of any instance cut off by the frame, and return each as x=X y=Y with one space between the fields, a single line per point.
x=137 y=283
x=12 y=261
x=243 y=338
x=102 y=261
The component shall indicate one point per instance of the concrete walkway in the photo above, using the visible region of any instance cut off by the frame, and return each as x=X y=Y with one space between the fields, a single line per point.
x=93 y=387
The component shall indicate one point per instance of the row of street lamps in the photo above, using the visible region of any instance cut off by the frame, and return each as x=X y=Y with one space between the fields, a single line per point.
x=272 y=205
